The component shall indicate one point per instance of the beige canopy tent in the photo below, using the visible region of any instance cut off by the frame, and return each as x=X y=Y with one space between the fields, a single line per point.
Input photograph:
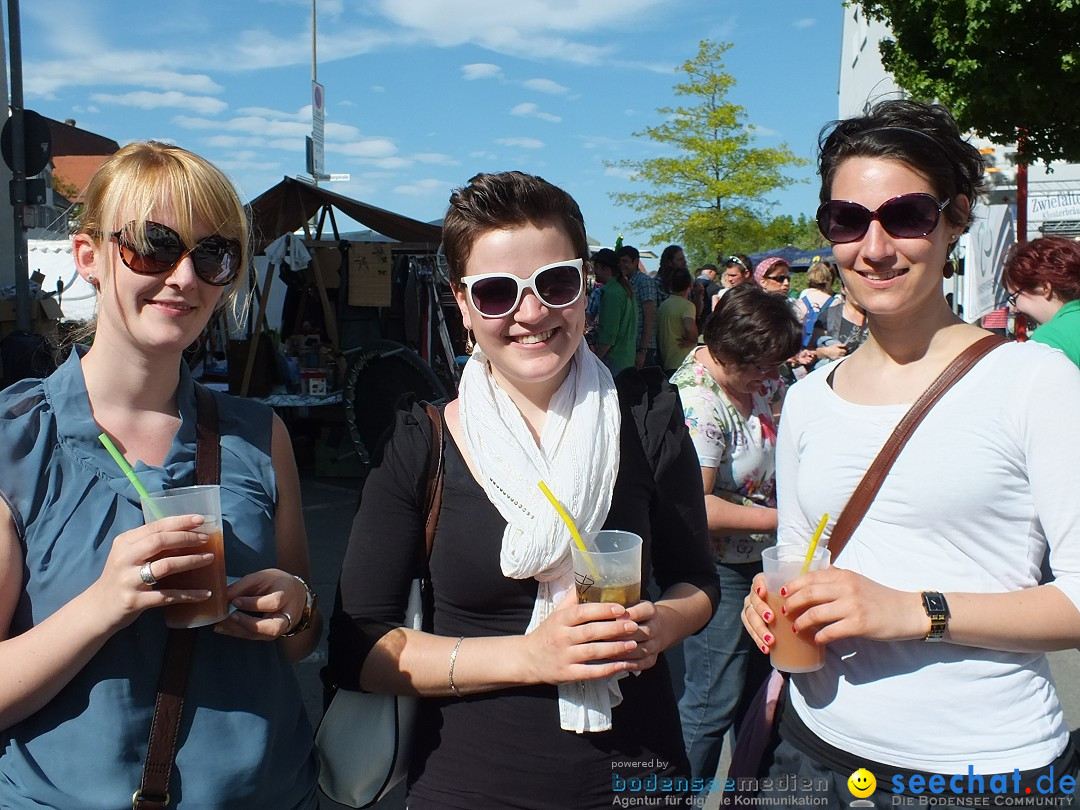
x=290 y=206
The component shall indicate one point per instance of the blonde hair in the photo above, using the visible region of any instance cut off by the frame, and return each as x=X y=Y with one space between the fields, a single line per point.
x=820 y=276
x=146 y=177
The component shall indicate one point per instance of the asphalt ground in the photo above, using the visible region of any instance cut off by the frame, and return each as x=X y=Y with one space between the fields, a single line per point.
x=329 y=504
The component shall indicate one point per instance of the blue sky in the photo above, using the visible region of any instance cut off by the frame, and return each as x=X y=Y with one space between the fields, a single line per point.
x=422 y=94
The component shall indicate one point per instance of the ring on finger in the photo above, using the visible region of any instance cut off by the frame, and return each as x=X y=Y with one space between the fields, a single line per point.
x=287 y=617
x=146 y=574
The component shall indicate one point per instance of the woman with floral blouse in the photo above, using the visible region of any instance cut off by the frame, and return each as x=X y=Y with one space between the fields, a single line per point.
x=731 y=393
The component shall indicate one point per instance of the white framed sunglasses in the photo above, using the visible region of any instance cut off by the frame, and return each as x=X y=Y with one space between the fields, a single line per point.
x=556 y=285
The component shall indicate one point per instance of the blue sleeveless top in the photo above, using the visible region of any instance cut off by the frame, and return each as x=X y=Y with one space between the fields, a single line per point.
x=245 y=739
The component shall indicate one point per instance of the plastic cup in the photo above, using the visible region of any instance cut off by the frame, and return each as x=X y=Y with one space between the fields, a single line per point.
x=791 y=652
x=205 y=501
x=611 y=570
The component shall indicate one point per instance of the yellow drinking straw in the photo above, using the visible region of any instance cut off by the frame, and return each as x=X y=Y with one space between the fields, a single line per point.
x=569 y=521
x=121 y=462
x=813 y=543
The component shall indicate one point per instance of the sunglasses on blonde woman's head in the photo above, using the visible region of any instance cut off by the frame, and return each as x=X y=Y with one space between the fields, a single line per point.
x=909 y=216
x=216 y=259
x=556 y=286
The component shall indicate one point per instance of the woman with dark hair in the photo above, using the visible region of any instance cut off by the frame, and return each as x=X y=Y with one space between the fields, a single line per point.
x=528 y=702
x=937 y=615
x=672 y=258
x=1043 y=280
x=731 y=394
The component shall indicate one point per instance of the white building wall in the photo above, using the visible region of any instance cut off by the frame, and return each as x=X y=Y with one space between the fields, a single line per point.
x=1053 y=195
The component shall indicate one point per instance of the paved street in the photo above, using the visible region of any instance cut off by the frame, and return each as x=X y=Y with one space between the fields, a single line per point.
x=328 y=509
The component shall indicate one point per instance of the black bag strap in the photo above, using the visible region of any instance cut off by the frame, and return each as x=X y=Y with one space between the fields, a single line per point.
x=874 y=477
x=433 y=496
x=153 y=792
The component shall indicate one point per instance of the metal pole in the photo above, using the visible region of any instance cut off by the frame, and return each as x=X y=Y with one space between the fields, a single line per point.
x=18 y=171
x=314 y=76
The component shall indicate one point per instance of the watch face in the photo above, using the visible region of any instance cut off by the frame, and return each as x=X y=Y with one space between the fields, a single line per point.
x=935 y=603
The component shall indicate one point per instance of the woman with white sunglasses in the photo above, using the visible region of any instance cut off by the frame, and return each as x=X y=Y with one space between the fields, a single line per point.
x=965 y=570
x=533 y=700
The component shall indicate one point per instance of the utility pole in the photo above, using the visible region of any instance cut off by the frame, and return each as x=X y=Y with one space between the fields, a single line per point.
x=18 y=171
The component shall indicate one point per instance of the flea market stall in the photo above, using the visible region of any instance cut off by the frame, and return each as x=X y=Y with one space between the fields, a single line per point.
x=343 y=326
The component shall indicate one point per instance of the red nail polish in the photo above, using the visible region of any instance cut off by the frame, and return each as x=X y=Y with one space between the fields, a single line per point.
x=783 y=609
x=768 y=639
x=793 y=630
x=767 y=616
x=764 y=649
x=757 y=591
x=783 y=591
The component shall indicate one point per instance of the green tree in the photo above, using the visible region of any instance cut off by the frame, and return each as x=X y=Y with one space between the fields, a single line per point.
x=712 y=184
x=1004 y=67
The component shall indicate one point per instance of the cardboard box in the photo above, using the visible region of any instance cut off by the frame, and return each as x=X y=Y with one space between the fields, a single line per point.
x=44 y=315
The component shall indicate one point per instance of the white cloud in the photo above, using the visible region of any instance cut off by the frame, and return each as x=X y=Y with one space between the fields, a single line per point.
x=546 y=86
x=480 y=70
x=542 y=29
x=376 y=88
x=424 y=187
x=436 y=158
x=805 y=22
x=533 y=111
x=391 y=163
x=524 y=143
x=146 y=100
x=618 y=171
x=365 y=148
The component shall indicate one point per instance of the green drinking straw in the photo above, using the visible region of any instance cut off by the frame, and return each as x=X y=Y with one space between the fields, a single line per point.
x=121 y=462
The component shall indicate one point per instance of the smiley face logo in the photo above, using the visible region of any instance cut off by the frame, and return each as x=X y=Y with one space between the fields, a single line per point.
x=861 y=783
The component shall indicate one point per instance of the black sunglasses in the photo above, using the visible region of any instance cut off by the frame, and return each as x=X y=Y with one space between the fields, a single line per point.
x=216 y=259
x=908 y=216
x=777 y=279
x=556 y=285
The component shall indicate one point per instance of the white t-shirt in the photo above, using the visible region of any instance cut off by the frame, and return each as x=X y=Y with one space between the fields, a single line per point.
x=988 y=482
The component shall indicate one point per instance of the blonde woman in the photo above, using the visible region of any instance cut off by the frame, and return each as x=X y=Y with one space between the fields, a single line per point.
x=163 y=239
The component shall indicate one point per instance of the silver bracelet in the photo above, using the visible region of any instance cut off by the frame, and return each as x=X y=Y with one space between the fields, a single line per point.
x=450 y=674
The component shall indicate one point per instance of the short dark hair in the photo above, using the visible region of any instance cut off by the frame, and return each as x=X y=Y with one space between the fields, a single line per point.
x=629 y=250
x=923 y=136
x=1052 y=260
x=751 y=326
x=680 y=280
x=606 y=257
x=507 y=200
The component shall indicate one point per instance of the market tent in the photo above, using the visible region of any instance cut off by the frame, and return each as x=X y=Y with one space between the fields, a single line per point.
x=795 y=257
x=285 y=208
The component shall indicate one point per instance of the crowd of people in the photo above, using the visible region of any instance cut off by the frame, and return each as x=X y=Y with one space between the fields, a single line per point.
x=711 y=414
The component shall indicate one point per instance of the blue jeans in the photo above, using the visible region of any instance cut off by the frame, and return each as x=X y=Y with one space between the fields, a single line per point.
x=723 y=672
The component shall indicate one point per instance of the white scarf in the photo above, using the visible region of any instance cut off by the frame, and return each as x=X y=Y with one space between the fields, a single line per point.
x=578 y=458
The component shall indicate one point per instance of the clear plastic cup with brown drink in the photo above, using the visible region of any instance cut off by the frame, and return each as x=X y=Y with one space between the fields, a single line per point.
x=791 y=652
x=610 y=571
x=198 y=500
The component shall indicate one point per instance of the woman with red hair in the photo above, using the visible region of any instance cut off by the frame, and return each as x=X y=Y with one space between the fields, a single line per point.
x=1043 y=280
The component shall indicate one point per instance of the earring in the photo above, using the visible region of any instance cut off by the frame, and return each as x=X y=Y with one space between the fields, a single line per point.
x=470 y=343
x=90 y=278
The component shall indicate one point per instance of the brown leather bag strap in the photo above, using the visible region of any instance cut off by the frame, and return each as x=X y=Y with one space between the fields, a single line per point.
x=871 y=482
x=153 y=792
x=433 y=496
